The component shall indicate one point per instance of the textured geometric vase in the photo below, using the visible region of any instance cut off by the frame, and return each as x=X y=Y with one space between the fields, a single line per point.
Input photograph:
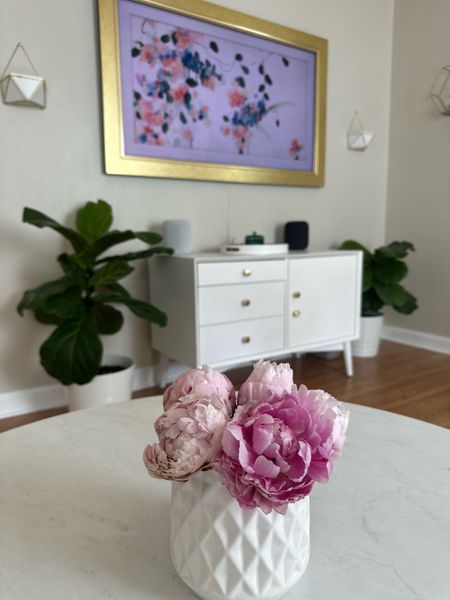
x=223 y=552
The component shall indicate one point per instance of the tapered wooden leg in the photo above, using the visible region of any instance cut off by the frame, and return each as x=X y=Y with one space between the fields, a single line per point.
x=348 y=359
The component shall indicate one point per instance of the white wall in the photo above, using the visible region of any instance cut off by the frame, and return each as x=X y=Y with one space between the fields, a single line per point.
x=419 y=161
x=52 y=159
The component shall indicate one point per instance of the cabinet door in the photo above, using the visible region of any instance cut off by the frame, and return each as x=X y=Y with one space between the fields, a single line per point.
x=323 y=299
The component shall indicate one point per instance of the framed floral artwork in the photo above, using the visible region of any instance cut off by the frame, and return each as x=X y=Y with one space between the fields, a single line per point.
x=192 y=90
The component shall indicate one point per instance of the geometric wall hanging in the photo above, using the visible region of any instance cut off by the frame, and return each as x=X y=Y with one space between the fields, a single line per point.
x=20 y=89
x=440 y=92
x=358 y=138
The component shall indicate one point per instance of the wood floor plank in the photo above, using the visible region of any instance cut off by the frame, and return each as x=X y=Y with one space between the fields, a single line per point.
x=402 y=379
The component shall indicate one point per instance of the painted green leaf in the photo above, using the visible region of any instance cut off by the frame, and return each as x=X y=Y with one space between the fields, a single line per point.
x=214 y=47
x=240 y=81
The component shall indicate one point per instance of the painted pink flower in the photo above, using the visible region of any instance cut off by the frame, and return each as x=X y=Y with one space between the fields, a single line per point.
x=190 y=434
x=153 y=118
x=209 y=83
x=203 y=381
x=179 y=92
x=295 y=148
x=277 y=378
x=274 y=450
x=147 y=54
x=236 y=98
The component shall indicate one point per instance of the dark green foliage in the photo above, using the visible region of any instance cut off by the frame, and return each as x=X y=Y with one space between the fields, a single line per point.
x=80 y=302
x=383 y=270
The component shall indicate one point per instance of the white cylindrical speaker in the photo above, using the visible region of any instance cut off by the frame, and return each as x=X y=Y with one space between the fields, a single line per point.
x=177 y=235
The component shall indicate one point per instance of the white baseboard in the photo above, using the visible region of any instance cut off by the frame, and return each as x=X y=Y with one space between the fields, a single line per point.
x=419 y=339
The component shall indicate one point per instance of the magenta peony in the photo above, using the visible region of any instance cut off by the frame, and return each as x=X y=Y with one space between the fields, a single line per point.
x=266 y=376
x=190 y=434
x=278 y=445
x=204 y=381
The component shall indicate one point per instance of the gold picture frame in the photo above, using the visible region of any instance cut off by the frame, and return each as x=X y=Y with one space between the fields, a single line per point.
x=118 y=161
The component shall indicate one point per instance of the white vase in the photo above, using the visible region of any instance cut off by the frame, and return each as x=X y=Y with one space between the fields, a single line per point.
x=105 y=388
x=223 y=552
x=369 y=339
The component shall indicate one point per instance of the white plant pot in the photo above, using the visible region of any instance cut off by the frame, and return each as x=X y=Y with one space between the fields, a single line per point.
x=223 y=552
x=369 y=338
x=105 y=388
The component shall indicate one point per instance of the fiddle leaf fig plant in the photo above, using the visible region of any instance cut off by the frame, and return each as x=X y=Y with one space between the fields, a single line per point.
x=82 y=302
x=383 y=269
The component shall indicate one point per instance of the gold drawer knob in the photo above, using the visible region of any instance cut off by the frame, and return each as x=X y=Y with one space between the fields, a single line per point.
x=245 y=302
x=296 y=295
x=296 y=313
x=245 y=339
x=247 y=272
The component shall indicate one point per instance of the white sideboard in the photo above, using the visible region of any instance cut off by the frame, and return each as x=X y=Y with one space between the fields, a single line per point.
x=225 y=310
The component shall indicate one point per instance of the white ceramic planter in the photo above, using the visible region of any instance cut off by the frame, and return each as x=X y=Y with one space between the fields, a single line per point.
x=223 y=552
x=369 y=339
x=103 y=389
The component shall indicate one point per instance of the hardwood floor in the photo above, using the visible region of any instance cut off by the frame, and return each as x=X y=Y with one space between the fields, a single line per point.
x=401 y=379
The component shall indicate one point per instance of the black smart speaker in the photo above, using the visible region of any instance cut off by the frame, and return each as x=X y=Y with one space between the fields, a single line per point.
x=296 y=234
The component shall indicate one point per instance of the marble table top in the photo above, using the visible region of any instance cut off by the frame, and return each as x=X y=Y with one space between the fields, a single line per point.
x=81 y=520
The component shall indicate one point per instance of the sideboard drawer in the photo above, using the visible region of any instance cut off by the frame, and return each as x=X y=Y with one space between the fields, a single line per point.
x=219 y=343
x=225 y=303
x=220 y=273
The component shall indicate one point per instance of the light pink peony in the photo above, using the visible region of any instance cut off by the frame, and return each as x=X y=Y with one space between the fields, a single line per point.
x=264 y=377
x=190 y=434
x=274 y=449
x=203 y=381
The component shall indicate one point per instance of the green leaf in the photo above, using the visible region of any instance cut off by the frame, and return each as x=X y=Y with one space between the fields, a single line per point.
x=409 y=306
x=62 y=307
x=38 y=219
x=118 y=237
x=390 y=293
x=367 y=277
x=34 y=298
x=94 y=220
x=371 y=303
x=389 y=270
x=136 y=255
x=73 y=270
x=109 y=320
x=111 y=272
x=139 y=308
x=73 y=352
x=396 y=249
x=118 y=289
x=46 y=318
x=352 y=245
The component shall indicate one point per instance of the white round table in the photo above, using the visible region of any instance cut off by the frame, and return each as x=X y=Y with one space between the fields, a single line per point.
x=81 y=520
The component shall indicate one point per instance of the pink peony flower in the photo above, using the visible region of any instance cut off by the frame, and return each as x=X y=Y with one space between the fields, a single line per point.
x=203 y=381
x=277 y=378
x=190 y=434
x=275 y=449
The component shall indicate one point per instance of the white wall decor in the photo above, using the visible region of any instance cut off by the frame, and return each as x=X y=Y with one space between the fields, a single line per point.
x=358 y=138
x=440 y=92
x=21 y=89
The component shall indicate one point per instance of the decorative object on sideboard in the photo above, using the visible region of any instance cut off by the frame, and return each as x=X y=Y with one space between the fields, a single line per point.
x=383 y=269
x=440 y=92
x=177 y=235
x=254 y=249
x=296 y=234
x=81 y=302
x=358 y=138
x=209 y=93
x=254 y=238
x=20 y=89
x=242 y=469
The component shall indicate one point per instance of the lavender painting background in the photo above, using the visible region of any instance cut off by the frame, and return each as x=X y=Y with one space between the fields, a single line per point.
x=195 y=91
